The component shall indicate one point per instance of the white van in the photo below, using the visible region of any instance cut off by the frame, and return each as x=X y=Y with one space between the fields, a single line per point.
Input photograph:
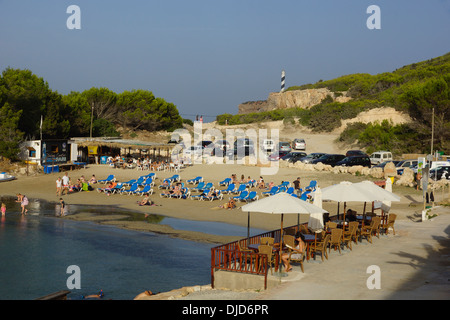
x=434 y=165
x=380 y=156
x=268 y=145
x=437 y=164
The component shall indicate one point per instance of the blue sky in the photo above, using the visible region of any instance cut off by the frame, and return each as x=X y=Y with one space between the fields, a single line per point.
x=208 y=56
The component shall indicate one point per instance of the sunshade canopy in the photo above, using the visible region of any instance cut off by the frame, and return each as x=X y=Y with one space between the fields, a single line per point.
x=365 y=191
x=281 y=203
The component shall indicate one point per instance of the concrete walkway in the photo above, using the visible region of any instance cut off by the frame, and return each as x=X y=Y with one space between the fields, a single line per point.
x=413 y=264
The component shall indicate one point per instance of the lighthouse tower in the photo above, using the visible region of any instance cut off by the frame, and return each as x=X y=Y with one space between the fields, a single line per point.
x=283 y=77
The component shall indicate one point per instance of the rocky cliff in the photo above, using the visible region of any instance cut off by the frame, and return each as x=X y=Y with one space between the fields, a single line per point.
x=290 y=99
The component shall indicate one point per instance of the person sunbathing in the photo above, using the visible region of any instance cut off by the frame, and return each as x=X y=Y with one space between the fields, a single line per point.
x=110 y=188
x=269 y=186
x=177 y=190
x=93 y=179
x=146 y=201
x=229 y=205
x=211 y=194
x=261 y=184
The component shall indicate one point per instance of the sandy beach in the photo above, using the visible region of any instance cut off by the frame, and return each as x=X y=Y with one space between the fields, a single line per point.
x=417 y=257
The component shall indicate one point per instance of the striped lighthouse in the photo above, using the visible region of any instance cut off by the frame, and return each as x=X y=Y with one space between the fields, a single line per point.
x=283 y=77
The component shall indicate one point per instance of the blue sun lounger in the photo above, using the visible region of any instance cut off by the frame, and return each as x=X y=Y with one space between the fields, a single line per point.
x=225 y=182
x=312 y=186
x=251 y=196
x=110 y=178
x=134 y=187
x=147 y=189
x=195 y=180
x=241 y=188
x=129 y=182
x=241 y=196
x=198 y=187
x=271 y=192
x=231 y=188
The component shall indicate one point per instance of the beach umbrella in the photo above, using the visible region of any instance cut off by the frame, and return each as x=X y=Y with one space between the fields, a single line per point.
x=379 y=194
x=282 y=203
x=315 y=221
x=346 y=191
x=365 y=191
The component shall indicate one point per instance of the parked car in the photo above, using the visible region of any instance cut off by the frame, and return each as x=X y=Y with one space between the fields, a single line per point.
x=268 y=145
x=405 y=164
x=440 y=173
x=355 y=153
x=277 y=155
x=220 y=148
x=311 y=157
x=294 y=156
x=437 y=164
x=330 y=159
x=284 y=146
x=355 y=161
x=380 y=156
x=243 y=147
x=222 y=144
x=299 y=144
x=433 y=165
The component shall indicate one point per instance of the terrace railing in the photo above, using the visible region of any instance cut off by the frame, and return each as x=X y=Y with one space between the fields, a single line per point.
x=229 y=257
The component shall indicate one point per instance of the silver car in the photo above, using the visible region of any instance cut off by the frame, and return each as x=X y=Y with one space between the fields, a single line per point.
x=299 y=144
x=284 y=146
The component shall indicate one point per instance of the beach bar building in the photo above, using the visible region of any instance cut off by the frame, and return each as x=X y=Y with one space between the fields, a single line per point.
x=97 y=150
x=51 y=152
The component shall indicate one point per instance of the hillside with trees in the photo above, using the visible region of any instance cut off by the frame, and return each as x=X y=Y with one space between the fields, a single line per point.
x=25 y=98
x=420 y=90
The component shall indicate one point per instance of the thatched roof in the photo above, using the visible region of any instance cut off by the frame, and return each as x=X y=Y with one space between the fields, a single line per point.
x=119 y=143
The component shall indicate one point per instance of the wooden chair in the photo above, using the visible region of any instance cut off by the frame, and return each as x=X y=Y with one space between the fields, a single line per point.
x=331 y=225
x=348 y=236
x=245 y=256
x=335 y=239
x=320 y=246
x=242 y=247
x=267 y=240
x=354 y=235
x=289 y=240
x=389 y=224
x=368 y=231
x=267 y=250
x=295 y=256
x=304 y=229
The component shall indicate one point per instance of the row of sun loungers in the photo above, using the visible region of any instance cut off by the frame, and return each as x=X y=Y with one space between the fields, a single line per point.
x=206 y=189
x=129 y=187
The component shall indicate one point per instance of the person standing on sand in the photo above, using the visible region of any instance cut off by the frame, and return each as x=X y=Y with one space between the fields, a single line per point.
x=65 y=183
x=23 y=202
x=63 y=206
x=297 y=186
x=58 y=187
x=3 y=209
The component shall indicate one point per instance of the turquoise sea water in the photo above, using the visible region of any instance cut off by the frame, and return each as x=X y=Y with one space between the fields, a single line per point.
x=37 y=249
